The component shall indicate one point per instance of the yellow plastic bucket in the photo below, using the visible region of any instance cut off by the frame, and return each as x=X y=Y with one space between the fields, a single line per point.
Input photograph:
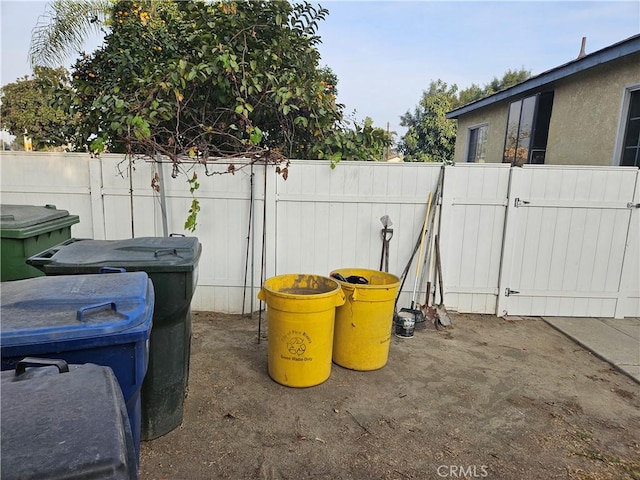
x=364 y=323
x=300 y=314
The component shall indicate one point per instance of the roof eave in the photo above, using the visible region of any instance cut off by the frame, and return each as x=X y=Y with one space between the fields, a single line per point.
x=608 y=54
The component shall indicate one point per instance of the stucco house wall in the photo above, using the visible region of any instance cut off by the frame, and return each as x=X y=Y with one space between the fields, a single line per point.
x=495 y=117
x=586 y=114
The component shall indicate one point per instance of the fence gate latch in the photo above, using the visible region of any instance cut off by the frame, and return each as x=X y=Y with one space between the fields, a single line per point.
x=519 y=203
x=633 y=205
x=508 y=291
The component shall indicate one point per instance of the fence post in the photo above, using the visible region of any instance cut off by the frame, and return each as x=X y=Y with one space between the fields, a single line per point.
x=97 y=198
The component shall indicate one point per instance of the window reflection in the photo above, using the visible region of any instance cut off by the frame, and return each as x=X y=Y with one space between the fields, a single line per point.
x=528 y=129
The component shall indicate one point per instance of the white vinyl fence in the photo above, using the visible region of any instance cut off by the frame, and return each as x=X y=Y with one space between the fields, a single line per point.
x=537 y=240
x=567 y=243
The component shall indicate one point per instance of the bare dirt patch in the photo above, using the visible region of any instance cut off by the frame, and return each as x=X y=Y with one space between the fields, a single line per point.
x=486 y=398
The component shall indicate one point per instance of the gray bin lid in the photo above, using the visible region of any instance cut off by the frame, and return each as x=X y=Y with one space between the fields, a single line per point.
x=24 y=221
x=148 y=254
x=69 y=425
x=13 y=217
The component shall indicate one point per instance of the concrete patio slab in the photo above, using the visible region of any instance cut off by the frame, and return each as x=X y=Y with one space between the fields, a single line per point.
x=615 y=341
x=628 y=326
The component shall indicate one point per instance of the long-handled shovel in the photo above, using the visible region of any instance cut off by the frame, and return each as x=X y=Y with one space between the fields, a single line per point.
x=441 y=311
x=387 y=234
x=418 y=316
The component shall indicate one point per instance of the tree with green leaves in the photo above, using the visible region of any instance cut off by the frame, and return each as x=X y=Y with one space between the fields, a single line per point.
x=26 y=108
x=476 y=92
x=210 y=80
x=509 y=78
x=358 y=141
x=430 y=137
x=199 y=81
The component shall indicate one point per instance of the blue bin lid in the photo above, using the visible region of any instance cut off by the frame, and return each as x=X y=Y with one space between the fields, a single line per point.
x=80 y=308
x=149 y=254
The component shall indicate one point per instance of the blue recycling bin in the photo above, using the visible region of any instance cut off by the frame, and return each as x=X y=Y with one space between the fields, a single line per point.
x=101 y=319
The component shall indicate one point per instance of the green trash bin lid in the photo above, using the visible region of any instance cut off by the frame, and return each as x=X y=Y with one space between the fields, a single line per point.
x=22 y=221
x=149 y=254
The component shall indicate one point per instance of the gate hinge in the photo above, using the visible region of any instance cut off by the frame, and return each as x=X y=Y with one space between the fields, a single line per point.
x=633 y=205
x=508 y=291
x=518 y=203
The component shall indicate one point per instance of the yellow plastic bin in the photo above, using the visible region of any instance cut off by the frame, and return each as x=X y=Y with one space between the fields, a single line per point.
x=300 y=314
x=364 y=323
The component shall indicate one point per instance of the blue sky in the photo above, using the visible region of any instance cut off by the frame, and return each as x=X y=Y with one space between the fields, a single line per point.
x=386 y=53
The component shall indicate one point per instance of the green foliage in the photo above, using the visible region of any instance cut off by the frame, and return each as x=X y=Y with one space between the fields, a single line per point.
x=225 y=79
x=28 y=107
x=471 y=94
x=475 y=92
x=509 y=78
x=430 y=136
x=97 y=146
x=363 y=142
x=192 y=219
x=200 y=81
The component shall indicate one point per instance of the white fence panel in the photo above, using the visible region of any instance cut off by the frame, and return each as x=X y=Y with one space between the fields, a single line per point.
x=572 y=250
x=49 y=178
x=629 y=304
x=223 y=227
x=127 y=215
x=473 y=214
x=98 y=190
x=567 y=229
x=329 y=219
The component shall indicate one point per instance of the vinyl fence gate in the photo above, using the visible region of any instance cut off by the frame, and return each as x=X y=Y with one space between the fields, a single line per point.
x=542 y=240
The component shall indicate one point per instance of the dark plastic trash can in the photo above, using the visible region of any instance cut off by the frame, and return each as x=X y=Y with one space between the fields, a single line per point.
x=64 y=422
x=101 y=319
x=27 y=230
x=172 y=265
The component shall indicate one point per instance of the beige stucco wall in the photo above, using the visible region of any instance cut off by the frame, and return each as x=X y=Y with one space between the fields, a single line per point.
x=584 y=120
x=586 y=114
x=495 y=117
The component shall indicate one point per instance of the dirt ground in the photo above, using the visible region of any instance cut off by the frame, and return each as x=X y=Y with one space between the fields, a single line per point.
x=485 y=398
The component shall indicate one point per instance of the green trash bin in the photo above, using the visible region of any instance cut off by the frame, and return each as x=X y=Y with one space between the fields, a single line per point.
x=172 y=266
x=27 y=230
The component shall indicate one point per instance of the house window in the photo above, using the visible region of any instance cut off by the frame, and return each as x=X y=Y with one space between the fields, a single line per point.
x=528 y=129
x=477 y=151
x=631 y=146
